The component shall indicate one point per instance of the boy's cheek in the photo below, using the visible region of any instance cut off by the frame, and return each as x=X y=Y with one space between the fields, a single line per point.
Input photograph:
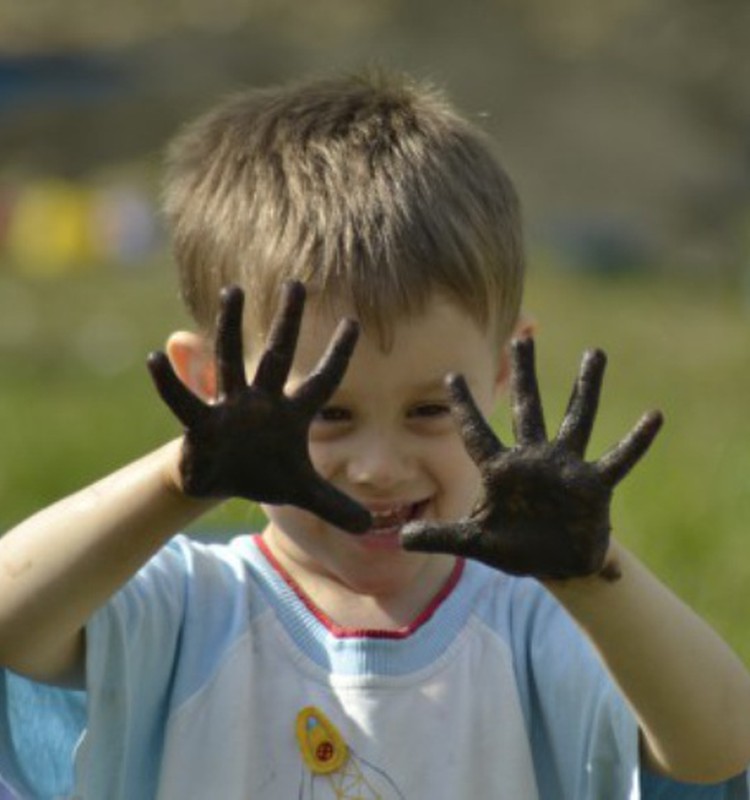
x=468 y=496
x=323 y=455
x=322 y=433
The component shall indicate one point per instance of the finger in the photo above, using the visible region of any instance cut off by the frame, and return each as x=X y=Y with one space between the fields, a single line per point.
x=615 y=465
x=229 y=352
x=320 y=385
x=277 y=358
x=186 y=406
x=325 y=500
x=578 y=422
x=455 y=538
x=479 y=439
x=526 y=403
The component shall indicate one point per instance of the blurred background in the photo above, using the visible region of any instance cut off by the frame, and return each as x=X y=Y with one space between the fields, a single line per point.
x=626 y=126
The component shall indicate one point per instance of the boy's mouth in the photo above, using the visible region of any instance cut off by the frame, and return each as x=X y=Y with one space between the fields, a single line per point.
x=391 y=520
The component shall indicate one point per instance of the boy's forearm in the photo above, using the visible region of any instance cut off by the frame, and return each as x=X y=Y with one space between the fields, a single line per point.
x=689 y=691
x=61 y=564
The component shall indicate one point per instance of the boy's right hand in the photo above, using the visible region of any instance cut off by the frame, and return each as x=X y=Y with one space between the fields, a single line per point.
x=252 y=441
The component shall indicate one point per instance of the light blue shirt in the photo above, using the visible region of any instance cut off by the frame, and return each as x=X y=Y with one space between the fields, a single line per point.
x=199 y=667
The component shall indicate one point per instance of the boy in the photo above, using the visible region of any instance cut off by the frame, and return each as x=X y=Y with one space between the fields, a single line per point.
x=351 y=650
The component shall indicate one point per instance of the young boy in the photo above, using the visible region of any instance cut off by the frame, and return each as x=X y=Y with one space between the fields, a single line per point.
x=351 y=650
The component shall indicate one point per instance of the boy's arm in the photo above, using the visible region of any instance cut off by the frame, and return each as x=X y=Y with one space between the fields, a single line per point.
x=544 y=512
x=61 y=564
x=689 y=691
x=58 y=566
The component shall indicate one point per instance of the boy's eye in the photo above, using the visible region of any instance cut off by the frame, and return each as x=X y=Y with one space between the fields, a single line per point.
x=333 y=414
x=430 y=410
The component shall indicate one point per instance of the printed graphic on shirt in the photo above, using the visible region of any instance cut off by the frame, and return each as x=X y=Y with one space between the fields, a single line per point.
x=332 y=770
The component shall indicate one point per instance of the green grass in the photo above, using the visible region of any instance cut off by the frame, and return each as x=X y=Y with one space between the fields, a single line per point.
x=76 y=402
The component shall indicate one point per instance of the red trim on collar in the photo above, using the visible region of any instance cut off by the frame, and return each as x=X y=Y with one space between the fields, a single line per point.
x=341 y=632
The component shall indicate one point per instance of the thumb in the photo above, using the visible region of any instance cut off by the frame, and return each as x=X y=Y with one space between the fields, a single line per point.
x=455 y=538
x=334 y=506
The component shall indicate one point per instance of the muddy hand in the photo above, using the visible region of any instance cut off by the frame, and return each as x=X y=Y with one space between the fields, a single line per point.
x=543 y=511
x=252 y=442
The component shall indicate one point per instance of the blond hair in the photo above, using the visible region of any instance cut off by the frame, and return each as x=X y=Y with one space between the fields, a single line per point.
x=370 y=189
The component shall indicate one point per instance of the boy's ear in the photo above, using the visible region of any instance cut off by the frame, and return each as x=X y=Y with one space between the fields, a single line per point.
x=526 y=328
x=193 y=362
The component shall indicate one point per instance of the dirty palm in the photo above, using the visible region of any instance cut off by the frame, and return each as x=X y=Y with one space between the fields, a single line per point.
x=543 y=510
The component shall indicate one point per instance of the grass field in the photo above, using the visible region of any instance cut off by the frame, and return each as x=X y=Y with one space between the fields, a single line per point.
x=76 y=402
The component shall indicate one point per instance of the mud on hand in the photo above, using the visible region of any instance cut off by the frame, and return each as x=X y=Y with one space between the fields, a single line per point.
x=543 y=510
x=252 y=441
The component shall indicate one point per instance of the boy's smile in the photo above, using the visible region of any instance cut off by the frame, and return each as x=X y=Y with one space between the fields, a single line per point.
x=387 y=521
x=387 y=439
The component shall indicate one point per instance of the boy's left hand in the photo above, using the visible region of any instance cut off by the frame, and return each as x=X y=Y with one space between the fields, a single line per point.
x=544 y=511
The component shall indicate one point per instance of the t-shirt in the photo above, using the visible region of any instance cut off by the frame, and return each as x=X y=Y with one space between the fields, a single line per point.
x=211 y=675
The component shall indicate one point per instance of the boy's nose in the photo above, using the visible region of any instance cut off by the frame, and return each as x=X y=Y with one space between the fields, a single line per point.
x=380 y=462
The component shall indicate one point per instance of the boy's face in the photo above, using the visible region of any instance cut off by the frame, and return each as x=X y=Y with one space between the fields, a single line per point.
x=387 y=439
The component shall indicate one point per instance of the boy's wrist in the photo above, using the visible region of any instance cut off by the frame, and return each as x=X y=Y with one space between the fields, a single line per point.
x=585 y=584
x=171 y=472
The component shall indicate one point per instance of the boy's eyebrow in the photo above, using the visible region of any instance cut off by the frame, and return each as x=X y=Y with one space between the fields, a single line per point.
x=437 y=385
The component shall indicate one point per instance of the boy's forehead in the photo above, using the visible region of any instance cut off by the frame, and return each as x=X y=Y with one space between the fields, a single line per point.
x=439 y=321
x=321 y=314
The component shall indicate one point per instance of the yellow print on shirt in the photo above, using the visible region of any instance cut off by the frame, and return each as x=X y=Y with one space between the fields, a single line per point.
x=334 y=771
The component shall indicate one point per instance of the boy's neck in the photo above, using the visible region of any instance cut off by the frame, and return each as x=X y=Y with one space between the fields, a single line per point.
x=343 y=604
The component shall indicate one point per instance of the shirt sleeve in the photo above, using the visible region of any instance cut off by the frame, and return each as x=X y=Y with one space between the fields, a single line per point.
x=150 y=649
x=585 y=738
x=654 y=787
x=132 y=644
x=40 y=727
x=58 y=743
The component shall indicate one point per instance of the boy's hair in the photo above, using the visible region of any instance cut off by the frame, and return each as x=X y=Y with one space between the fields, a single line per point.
x=369 y=189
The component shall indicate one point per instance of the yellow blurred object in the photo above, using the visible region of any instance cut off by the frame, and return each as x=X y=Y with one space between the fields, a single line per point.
x=50 y=229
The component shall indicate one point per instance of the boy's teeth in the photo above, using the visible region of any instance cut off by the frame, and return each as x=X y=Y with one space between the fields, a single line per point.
x=393 y=517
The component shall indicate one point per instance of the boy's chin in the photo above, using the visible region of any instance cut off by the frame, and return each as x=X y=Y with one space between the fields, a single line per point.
x=381 y=540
